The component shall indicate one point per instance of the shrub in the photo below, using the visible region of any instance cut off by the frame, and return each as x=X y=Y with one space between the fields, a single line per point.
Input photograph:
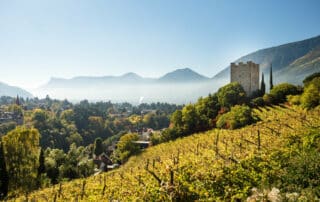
x=268 y=99
x=311 y=95
x=280 y=92
x=239 y=116
x=294 y=99
x=126 y=147
x=231 y=94
x=257 y=102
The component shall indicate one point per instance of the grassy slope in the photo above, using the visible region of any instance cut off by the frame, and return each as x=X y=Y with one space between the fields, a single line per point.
x=198 y=164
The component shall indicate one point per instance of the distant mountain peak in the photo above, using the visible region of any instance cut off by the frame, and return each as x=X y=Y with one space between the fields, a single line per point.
x=130 y=75
x=183 y=75
x=13 y=91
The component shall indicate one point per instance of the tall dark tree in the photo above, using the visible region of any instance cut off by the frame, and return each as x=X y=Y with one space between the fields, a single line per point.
x=263 y=85
x=4 y=177
x=98 y=146
x=271 y=78
x=41 y=168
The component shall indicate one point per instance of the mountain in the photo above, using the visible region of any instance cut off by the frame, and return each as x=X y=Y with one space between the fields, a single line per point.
x=84 y=81
x=180 y=75
x=183 y=75
x=291 y=62
x=12 y=91
x=180 y=86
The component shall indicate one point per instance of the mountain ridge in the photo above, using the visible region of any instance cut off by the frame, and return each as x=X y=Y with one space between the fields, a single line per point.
x=13 y=91
x=281 y=57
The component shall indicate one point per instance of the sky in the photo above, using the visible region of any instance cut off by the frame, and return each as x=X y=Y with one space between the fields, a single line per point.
x=40 y=39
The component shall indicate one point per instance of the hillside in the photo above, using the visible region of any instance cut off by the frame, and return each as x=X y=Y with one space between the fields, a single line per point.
x=291 y=62
x=279 y=152
x=12 y=91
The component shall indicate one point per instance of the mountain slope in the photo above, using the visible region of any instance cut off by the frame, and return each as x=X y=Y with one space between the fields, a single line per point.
x=218 y=165
x=12 y=91
x=284 y=60
x=302 y=66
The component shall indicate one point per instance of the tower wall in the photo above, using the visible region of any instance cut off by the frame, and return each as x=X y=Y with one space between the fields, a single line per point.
x=247 y=74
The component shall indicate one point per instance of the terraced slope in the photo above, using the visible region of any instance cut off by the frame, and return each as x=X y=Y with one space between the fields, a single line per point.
x=219 y=165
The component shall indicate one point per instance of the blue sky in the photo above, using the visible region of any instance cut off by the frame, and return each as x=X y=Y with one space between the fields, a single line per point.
x=40 y=39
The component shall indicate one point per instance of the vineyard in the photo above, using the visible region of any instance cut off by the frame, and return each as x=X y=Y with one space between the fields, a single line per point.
x=218 y=165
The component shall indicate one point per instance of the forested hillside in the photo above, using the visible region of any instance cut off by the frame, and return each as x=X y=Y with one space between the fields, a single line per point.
x=275 y=159
x=265 y=144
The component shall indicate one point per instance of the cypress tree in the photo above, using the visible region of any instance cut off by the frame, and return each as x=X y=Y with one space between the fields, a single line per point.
x=271 y=78
x=4 y=177
x=98 y=146
x=263 y=85
x=41 y=168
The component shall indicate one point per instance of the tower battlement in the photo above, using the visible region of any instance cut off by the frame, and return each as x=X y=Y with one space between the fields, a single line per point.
x=247 y=74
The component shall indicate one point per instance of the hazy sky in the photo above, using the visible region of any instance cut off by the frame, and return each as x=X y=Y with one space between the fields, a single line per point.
x=67 y=38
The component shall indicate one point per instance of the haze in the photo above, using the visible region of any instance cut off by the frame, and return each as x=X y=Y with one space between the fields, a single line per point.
x=43 y=39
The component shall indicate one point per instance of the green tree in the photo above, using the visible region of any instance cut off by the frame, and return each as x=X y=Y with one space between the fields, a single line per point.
x=207 y=109
x=176 y=119
x=262 y=86
x=39 y=118
x=190 y=119
x=4 y=177
x=98 y=146
x=67 y=115
x=54 y=158
x=271 y=78
x=21 y=148
x=231 y=94
x=238 y=116
x=41 y=168
x=311 y=95
x=280 y=92
x=126 y=146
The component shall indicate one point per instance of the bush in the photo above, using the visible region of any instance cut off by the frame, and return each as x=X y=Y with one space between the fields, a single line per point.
x=311 y=95
x=126 y=147
x=231 y=94
x=268 y=99
x=294 y=99
x=257 y=102
x=280 y=92
x=239 y=116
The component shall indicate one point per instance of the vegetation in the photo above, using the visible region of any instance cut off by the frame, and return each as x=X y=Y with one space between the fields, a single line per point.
x=262 y=85
x=231 y=94
x=238 y=117
x=276 y=158
x=4 y=178
x=280 y=92
x=311 y=95
x=271 y=78
x=22 y=161
x=126 y=147
x=62 y=141
x=309 y=78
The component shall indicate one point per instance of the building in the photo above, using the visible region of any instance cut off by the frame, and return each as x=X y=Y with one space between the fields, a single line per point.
x=247 y=74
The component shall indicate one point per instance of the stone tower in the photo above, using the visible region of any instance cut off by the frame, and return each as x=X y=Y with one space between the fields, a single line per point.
x=247 y=74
